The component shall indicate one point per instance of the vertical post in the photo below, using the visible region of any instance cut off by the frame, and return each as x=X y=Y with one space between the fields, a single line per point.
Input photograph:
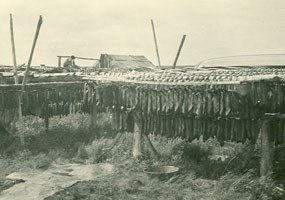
x=59 y=61
x=13 y=50
x=179 y=50
x=155 y=41
x=16 y=80
x=266 y=161
x=137 y=148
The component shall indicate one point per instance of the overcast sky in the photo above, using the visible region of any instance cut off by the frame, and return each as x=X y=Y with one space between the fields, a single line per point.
x=88 y=28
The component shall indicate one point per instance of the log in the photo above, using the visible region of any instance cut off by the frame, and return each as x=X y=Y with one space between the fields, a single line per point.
x=266 y=162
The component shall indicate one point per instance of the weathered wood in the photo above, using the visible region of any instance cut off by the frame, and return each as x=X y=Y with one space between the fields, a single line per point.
x=31 y=55
x=13 y=50
x=27 y=72
x=266 y=162
x=137 y=148
x=179 y=50
x=155 y=42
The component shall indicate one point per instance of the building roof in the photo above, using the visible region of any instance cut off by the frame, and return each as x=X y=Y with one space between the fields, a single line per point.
x=125 y=61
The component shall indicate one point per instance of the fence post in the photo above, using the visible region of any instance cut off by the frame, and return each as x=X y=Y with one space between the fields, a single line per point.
x=266 y=161
x=137 y=148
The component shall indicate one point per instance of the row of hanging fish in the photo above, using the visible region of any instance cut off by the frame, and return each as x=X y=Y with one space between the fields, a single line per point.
x=247 y=101
x=190 y=128
x=43 y=102
x=228 y=112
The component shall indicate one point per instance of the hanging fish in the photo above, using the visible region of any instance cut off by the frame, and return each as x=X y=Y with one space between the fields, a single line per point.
x=280 y=97
x=200 y=104
x=149 y=101
x=162 y=101
x=170 y=101
x=176 y=99
x=222 y=104
x=216 y=103
x=184 y=107
x=194 y=102
x=227 y=103
x=132 y=98
x=153 y=100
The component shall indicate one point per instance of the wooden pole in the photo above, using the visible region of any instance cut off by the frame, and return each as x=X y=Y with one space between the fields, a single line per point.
x=31 y=54
x=13 y=50
x=179 y=50
x=16 y=80
x=155 y=42
x=266 y=162
x=26 y=75
x=137 y=147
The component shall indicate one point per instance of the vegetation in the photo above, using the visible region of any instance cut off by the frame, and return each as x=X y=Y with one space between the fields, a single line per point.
x=207 y=169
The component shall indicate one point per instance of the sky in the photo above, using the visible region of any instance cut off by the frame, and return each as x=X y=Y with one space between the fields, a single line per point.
x=87 y=28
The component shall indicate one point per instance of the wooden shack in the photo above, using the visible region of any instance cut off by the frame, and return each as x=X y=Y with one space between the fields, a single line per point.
x=126 y=62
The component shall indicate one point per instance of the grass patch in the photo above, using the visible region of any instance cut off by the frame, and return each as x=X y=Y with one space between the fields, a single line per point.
x=208 y=170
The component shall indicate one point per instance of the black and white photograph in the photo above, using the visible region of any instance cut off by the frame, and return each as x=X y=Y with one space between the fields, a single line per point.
x=142 y=100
